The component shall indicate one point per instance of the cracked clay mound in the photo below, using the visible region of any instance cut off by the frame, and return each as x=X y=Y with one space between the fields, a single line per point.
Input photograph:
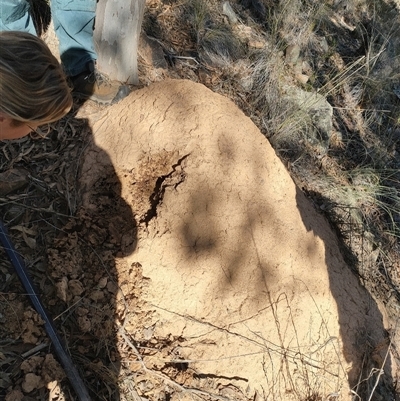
x=236 y=263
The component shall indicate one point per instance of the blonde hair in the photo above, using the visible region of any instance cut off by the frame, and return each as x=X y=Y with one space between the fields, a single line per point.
x=33 y=87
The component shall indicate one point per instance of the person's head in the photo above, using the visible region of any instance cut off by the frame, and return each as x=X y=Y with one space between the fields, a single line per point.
x=33 y=87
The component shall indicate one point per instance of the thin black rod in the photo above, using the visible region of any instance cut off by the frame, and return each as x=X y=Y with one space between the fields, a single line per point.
x=64 y=358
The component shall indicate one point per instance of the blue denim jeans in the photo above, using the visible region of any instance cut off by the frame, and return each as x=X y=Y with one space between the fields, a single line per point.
x=73 y=23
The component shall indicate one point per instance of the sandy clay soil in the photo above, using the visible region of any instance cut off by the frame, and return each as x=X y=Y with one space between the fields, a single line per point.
x=179 y=261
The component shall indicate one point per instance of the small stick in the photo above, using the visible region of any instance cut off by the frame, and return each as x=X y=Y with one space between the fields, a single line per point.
x=34 y=350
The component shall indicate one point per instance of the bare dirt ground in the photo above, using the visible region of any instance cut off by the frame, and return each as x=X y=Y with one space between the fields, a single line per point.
x=190 y=265
x=179 y=261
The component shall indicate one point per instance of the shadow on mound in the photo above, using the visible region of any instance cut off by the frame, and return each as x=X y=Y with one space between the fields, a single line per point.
x=83 y=263
x=72 y=235
x=366 y=344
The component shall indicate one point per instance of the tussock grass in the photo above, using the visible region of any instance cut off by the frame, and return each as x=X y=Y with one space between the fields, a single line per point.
x=216 y=42
x=356 y=71
x=200 y=15
x=356 y=84
x=370 y=195
x=221 y=43
x=265 y=89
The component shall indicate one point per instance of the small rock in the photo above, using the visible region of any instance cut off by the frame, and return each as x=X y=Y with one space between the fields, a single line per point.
x=229 y=392
x=324 y=45
x=31 y=365
x=248 y=35
x=102 y=282
x=96 y=295
x=62 y=287
x=292 y=54
x=316 y=107
x=148 y=333
x=228 y=11
x=51 y=369
x=298 y=67
x=112 y=287
x=75 y=287
x=306 y=68
x=151 y=52
x=145 y=386
x=84 y=323
x=14 y=395
x=256 y=44
x=302 y=78
x=31 y=382
x=81 y=311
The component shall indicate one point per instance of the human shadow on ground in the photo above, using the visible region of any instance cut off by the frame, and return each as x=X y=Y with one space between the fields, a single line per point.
x=70 y=213
x=72 y=204
x=83 y=268
x=366 y=346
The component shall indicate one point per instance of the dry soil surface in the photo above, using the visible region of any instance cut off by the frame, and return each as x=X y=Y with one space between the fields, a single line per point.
x=189 y=265
x=179 y=261
x=222 y=259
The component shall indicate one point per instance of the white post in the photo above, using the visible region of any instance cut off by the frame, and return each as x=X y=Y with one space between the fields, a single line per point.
x=116 y=35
